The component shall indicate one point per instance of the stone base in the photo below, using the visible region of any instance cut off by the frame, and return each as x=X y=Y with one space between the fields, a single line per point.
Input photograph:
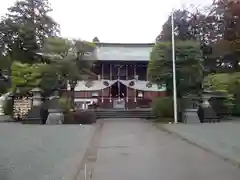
x=190 y=116
x=55 y=117
x=6 y=118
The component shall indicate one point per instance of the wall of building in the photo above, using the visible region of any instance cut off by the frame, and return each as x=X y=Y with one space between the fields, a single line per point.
x=131 y=101
x=150 y=95
x=109 y=69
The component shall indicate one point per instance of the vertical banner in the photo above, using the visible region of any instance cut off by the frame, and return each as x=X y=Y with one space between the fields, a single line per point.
x=102 y=79
x=135 y=91
x=110 y=93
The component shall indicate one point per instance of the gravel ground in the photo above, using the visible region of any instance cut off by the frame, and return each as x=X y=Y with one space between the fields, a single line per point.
x=40 y=152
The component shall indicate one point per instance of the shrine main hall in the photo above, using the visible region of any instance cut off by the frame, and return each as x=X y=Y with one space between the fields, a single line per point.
x=121 y=80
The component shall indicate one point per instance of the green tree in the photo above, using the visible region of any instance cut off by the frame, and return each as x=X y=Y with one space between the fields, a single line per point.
x=199 y=26
x=24 y=29
x=189 y=68
x=95 y=40
x=25 y=76
x=5 y=66
x=227 y=34
x=69 y=61
x=56 y=46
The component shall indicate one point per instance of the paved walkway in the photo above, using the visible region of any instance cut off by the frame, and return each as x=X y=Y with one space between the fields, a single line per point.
x=41 y=152
x=222 y=138
x=136 y=150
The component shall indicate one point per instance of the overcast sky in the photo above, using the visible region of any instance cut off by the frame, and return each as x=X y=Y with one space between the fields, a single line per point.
x=129 y=21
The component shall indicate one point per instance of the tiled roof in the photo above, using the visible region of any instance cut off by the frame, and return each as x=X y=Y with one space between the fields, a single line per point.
x=123 y=52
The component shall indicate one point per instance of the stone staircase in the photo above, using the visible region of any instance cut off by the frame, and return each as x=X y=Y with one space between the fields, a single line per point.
x=122 y=113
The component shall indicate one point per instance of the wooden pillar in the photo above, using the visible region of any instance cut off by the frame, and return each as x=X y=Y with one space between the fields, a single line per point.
x=126 y=86
x=119 y=83
x=102 y=79
x=110 y=93
x=146 y=74
x=135 y=91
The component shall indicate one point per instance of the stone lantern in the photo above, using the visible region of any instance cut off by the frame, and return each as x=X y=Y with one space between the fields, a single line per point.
x=3 y=100
x=37 y=96
x=1 y=106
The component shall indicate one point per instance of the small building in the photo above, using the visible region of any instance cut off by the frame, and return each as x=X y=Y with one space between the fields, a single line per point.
x=122 y=80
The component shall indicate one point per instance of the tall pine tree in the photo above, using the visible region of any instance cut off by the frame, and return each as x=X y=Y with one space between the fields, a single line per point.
x=25 y=27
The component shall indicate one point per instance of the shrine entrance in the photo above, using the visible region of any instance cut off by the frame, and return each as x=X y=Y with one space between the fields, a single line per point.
x=118 y=90
x=118 y=93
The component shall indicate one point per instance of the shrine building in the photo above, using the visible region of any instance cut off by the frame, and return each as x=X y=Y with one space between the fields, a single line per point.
x=121 y=80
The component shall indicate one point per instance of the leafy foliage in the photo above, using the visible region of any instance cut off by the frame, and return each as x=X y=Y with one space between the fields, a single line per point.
x=5 y=64
x=56 y=46
x=95 y=40
x=65 y=104
x=229 y=84
x=189 y=69
x=24 y=29
x=223 y=82
x=163 y=107
x=25 y=76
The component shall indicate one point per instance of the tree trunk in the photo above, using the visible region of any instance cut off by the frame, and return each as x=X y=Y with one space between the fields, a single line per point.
x=72 y=97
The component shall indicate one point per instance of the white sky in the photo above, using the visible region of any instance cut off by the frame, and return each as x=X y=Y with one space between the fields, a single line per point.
x=128 y=21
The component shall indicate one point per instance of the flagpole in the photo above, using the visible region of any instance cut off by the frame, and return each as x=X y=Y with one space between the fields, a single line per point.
x=174 y=72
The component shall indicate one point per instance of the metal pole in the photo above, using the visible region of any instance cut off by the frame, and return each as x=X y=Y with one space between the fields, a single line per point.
x=85 y=172
x=174 y=73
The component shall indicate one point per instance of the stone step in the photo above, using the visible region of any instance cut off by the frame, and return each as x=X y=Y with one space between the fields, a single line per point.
x=124 y=114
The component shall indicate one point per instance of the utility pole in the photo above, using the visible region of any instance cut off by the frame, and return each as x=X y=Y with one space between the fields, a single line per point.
x=174 y=72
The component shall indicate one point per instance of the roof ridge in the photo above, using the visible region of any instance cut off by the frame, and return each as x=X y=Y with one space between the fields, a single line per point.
x=123 y=44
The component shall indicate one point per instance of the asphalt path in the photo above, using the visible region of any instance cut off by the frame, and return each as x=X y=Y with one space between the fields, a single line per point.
x=134 y=149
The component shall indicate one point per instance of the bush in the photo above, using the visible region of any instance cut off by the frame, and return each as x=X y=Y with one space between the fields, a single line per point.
x=236 y=110
x=65 y=104
x=8 y=107
x=163 y=107
x=80 y=117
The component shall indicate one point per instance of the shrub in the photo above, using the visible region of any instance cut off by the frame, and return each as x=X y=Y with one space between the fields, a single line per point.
x=236 y=110
x=80 y=117
x=65 y=104
x=8 y=107
x=163 y=107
